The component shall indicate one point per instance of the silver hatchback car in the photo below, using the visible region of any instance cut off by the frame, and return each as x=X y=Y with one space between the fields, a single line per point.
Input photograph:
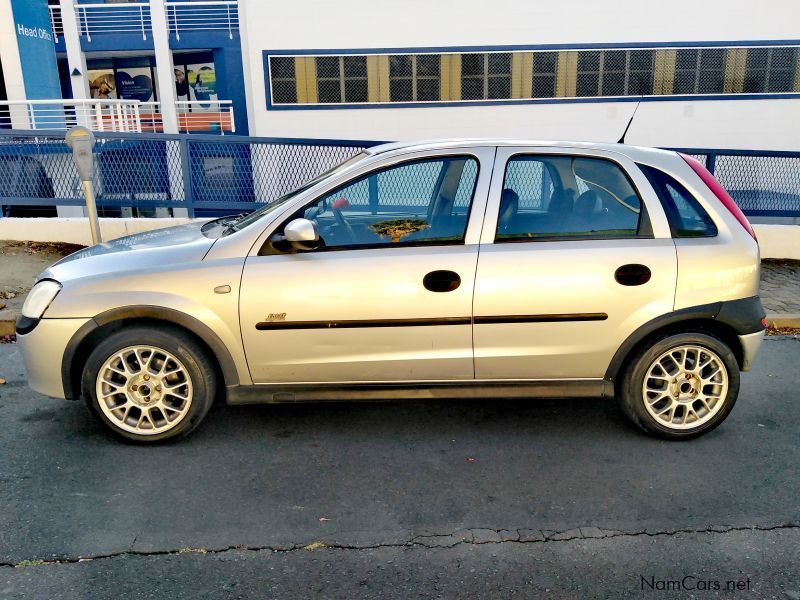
x=444 y=269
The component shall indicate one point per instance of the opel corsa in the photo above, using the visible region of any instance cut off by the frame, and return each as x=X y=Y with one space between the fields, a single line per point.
x=437 y=270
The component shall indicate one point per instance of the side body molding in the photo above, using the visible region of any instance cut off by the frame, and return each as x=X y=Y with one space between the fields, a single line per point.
x=200 y=329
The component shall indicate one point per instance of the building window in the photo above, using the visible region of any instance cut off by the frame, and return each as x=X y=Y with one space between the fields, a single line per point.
x=700 y=71
x=486 y=76
x=588 y=76
x=615 y=73
x=545 y=67
x=341 y=79
x=283 y=79
x=640 y=70
x=770 y=70
x=522 y=75
x=414 y=77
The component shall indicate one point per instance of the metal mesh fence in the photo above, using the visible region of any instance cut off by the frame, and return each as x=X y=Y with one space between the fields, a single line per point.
x=138 y=174
x=761 y=183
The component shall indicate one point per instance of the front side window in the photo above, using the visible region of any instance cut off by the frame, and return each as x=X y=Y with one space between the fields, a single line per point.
x=567 y=197
x=419 y=202
x=685 y=215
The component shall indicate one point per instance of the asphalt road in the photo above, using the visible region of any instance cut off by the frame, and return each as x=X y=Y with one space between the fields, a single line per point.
x=407 y=499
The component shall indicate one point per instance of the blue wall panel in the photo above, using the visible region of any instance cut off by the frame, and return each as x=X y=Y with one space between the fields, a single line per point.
x=37 y=53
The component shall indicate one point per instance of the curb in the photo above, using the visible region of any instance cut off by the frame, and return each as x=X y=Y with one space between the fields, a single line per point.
x=7 y=326
x=784 y=320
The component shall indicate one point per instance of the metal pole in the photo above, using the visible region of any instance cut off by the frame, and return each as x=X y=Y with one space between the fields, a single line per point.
x=91 y=211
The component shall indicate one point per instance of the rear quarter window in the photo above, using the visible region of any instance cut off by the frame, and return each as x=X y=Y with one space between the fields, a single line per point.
x=685 y=215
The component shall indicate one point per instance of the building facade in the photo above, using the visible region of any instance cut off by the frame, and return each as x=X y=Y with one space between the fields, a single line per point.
x=180 y=61
x=714 y=74
x=719 y=74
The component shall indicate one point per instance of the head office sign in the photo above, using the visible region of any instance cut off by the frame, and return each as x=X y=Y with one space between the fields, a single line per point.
x=37 y=53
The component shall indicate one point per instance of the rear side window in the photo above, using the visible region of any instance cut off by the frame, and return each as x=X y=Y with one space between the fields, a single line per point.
x=686 y=217
x=568 y=197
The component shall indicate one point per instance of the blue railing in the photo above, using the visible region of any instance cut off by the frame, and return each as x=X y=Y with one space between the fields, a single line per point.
x=208 y=176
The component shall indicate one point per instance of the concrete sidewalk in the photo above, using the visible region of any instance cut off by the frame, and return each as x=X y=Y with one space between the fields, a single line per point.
x=21 y=262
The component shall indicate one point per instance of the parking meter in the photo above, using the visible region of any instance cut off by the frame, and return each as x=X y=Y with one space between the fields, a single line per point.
x=81 y=141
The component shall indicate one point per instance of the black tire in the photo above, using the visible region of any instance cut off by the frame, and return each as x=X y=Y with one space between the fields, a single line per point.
x=631 y=397
x=182 y=346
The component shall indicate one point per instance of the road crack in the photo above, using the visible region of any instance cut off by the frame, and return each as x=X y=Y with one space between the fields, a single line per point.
x=475 y=536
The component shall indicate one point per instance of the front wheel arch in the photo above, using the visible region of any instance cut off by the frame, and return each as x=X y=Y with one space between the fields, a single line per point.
x=87 y=337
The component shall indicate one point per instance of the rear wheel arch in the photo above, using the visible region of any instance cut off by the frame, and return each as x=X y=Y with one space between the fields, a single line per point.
x=87 y=337
x=700 y=321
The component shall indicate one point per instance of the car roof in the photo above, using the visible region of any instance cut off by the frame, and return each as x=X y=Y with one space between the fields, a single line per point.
x=633 y=152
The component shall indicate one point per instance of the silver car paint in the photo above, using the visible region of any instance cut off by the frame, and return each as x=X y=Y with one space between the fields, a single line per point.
x=180 y=270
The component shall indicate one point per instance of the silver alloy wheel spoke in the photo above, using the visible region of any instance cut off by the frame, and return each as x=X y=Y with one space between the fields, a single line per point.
x=685 y=387
x=144 y=390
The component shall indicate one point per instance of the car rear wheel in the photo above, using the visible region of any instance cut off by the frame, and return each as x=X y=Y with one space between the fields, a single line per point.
x=680 y=386
x=149 y=385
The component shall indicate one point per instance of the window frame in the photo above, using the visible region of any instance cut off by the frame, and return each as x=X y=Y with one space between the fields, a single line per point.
x=267 y=249
x=644 y=227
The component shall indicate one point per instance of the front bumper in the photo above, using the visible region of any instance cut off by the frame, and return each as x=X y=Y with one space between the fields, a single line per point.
x=42 y=351
x=750 y=345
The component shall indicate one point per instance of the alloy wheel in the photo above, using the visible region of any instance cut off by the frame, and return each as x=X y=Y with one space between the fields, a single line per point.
x=685 y=387
x=144 y=390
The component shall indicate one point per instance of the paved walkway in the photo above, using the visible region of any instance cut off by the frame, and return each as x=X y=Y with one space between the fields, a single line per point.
x=780 y=286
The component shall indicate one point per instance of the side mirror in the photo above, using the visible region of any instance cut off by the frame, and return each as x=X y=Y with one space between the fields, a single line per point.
x=301 y=230
x=298 y=234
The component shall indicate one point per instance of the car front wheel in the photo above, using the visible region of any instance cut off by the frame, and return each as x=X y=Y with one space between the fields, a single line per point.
x=149 y=385
x=680 y=386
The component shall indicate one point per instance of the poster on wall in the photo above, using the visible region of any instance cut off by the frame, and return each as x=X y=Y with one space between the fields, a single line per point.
x=183 y=90
x=135 y=83
x=102 y=84
x=203 y=82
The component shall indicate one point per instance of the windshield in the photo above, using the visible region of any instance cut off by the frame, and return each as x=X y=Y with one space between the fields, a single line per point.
x=254 y=216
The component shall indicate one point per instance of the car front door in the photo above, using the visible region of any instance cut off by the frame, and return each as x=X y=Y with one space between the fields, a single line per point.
x=575 y=255
x=387 y=296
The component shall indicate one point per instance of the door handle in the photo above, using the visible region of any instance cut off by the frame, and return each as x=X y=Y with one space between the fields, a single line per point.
x=633 y=274
x=441 y=281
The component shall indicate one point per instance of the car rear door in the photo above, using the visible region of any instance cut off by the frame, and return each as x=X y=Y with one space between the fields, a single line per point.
x=568 y=268
x=388 y=297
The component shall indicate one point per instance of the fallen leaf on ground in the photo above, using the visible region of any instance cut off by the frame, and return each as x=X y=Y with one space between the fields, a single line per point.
x=314 y=546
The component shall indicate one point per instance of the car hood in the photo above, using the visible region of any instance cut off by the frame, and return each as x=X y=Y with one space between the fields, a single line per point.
x=157 y=248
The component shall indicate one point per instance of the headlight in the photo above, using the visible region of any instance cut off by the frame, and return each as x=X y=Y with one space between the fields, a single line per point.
x=40 y=298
